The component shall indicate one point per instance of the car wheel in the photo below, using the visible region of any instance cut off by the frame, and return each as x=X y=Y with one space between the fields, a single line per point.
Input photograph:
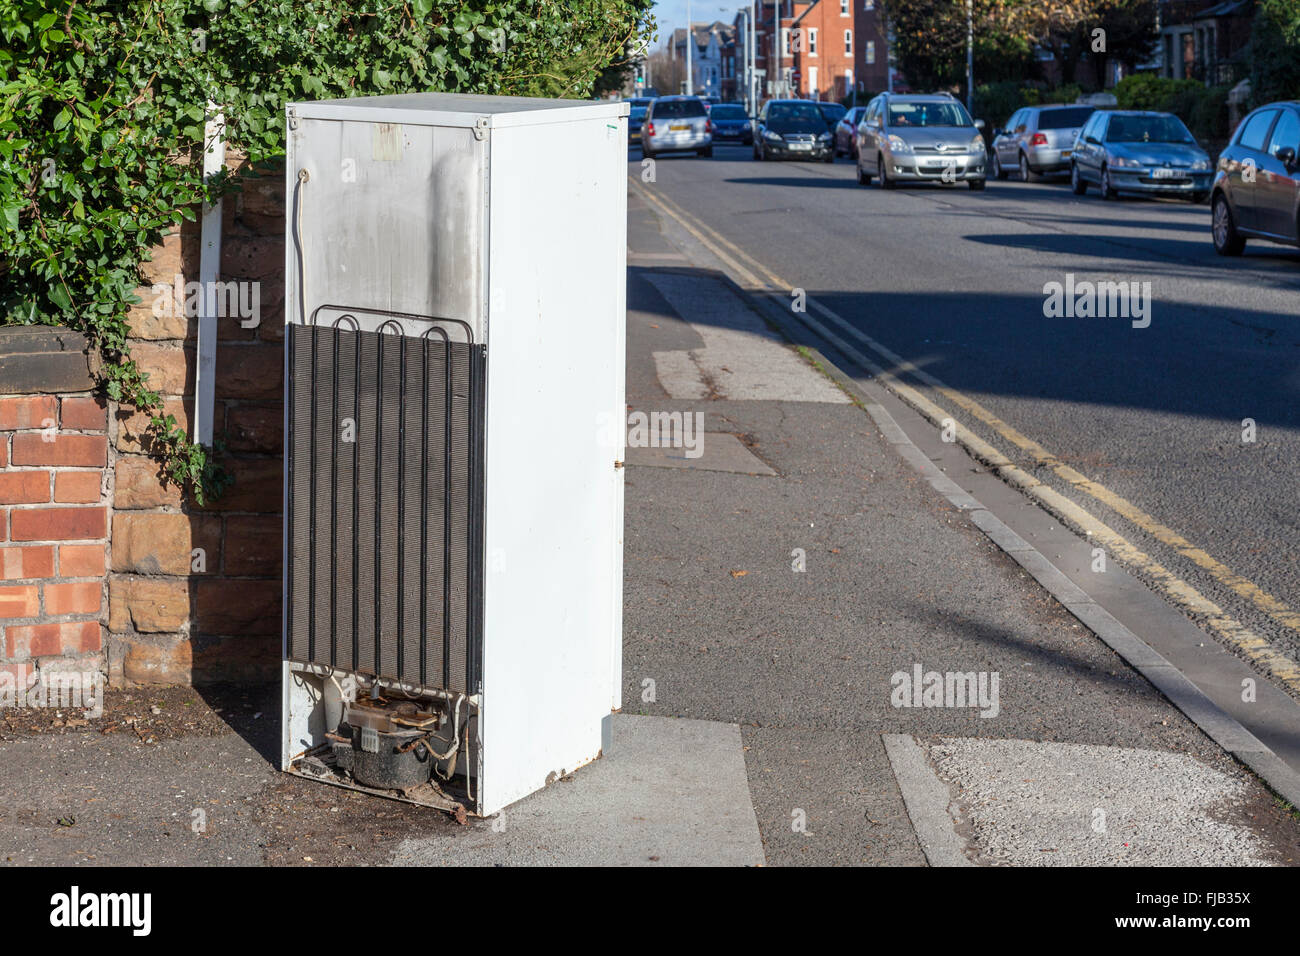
x=1026 y=174
x=1077 y=183
x=998 y=171
x=706 y=152
x=830 y=158
x=647 y=153
x=853 y=151
x=864 y=179
x=975 y=184
x=1107 y=192
x=1227 y=241
x=885 y=181
x=1200 y=197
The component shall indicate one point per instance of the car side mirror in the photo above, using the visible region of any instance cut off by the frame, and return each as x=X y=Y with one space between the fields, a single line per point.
x=1286 y=155
x=979 y=124
x=1092 y=139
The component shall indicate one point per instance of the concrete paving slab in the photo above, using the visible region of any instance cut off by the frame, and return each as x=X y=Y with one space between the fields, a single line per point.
x=926 y=798
x=741 y=358
x=720 y=451
x=669 y=792
x=1030 y=803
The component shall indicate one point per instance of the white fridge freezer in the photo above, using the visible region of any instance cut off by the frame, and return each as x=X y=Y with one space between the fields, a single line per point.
x=454 y=409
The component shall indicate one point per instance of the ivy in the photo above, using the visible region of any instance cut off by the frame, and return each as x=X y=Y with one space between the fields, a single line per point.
x=102 y=109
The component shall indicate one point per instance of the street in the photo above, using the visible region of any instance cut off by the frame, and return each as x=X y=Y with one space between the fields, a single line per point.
x=954 y=281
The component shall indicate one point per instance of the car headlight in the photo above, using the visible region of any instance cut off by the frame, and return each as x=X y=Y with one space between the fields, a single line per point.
x=1201 y=165
x=774 y=137
x=824 y=138
x=899 y=145
x=1125 y=162
x=976 y=145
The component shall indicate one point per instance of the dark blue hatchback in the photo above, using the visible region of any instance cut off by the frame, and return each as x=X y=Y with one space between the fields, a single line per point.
x=731 y=124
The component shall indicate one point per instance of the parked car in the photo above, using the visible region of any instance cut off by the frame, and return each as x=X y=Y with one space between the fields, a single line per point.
x=1037 y=140
x=1264 y=201
x=731 y=124
x=846 y=132
x=676 y=124
x=635 y=120
x=920 y=138
x=792 y=129
x=1139 y=151
x=832 y=113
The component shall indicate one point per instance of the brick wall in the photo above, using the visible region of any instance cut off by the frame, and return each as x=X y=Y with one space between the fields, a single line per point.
x=101 y=560
x=53 y=514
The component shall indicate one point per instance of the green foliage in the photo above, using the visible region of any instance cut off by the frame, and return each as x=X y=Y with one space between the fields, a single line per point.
x=1204 y=109
x=995 y=102
x=102 y=108
x=1275 y=52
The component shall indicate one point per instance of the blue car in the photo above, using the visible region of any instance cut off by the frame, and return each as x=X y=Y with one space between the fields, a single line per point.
x=1136 y=151
x=731 y=124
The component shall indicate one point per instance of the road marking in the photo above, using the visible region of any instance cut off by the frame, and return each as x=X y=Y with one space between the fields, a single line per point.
x=1180 y=592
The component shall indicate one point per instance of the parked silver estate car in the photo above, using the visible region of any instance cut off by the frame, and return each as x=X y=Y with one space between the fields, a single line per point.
x=846 y=132
x=1037 y=140
x=676 y=124
x=1256 y=192
x=1140 y=152
x=919 y=138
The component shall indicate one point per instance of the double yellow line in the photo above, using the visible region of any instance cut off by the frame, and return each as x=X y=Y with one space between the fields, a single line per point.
x=758 y=279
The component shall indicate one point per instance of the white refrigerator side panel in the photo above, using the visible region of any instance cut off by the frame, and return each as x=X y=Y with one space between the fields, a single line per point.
x=555 y=430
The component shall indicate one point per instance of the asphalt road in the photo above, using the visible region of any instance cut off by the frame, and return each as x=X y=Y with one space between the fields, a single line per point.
x=953 y=281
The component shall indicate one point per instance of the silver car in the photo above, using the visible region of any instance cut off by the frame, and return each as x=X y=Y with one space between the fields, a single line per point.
x=1139 y=151
x=1257 y=185
x=920 y=138
x=1037 y=140
x=677 y=124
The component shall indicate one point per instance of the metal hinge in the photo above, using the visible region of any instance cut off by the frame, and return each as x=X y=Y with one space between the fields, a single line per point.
x=618 y=464
x=293 y=117
x=480 y=128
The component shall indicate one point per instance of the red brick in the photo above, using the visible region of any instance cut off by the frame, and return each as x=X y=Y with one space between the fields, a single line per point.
x=50 y=640
x=31 y=448
x=73 y=598
x=4 y=524
x=4 y=451
x=30 y=562
x=85 y=414
x=19 y=601
x=252 y=370
x=77 y=487
x=58 y=524
x=29 y=411
x=81 y=560
x=24 y=487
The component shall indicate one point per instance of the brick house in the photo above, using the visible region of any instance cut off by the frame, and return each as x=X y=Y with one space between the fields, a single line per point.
x=1200 y=38
x=827 y=48
x=824 y=50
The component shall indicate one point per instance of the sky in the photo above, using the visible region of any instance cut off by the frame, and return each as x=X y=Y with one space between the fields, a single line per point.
x=672 y=13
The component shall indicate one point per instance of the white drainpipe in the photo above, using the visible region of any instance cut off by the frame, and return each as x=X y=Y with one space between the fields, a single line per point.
x=214 y=159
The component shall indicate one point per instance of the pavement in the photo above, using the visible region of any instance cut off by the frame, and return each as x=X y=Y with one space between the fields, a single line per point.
x=826 y=659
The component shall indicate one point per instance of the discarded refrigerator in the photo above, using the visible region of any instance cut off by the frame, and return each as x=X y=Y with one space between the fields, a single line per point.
x=454 y=393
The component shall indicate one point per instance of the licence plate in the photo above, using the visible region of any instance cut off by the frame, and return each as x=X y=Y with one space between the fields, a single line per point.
x=1166 y=173
x=1065 y=153
x=680 y=127
x=801 y=145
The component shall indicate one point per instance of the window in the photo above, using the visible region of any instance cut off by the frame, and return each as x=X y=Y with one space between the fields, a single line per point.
x=871 y=52
x=785 y=40
x=812 y=42
x=1255 y=130
x=844 y=8
x=848 y=42
x=1286 y=133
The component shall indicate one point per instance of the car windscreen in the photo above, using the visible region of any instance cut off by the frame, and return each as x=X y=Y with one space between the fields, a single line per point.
x=1064 y=119
x=795 y=118
x=678 y=109
x=636 y=113
x=1147 y=129
x=832 y=111
x=728 y=113
x=928 y=114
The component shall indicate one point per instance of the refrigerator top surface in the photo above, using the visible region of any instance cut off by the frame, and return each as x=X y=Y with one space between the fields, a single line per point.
x=457 y=109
